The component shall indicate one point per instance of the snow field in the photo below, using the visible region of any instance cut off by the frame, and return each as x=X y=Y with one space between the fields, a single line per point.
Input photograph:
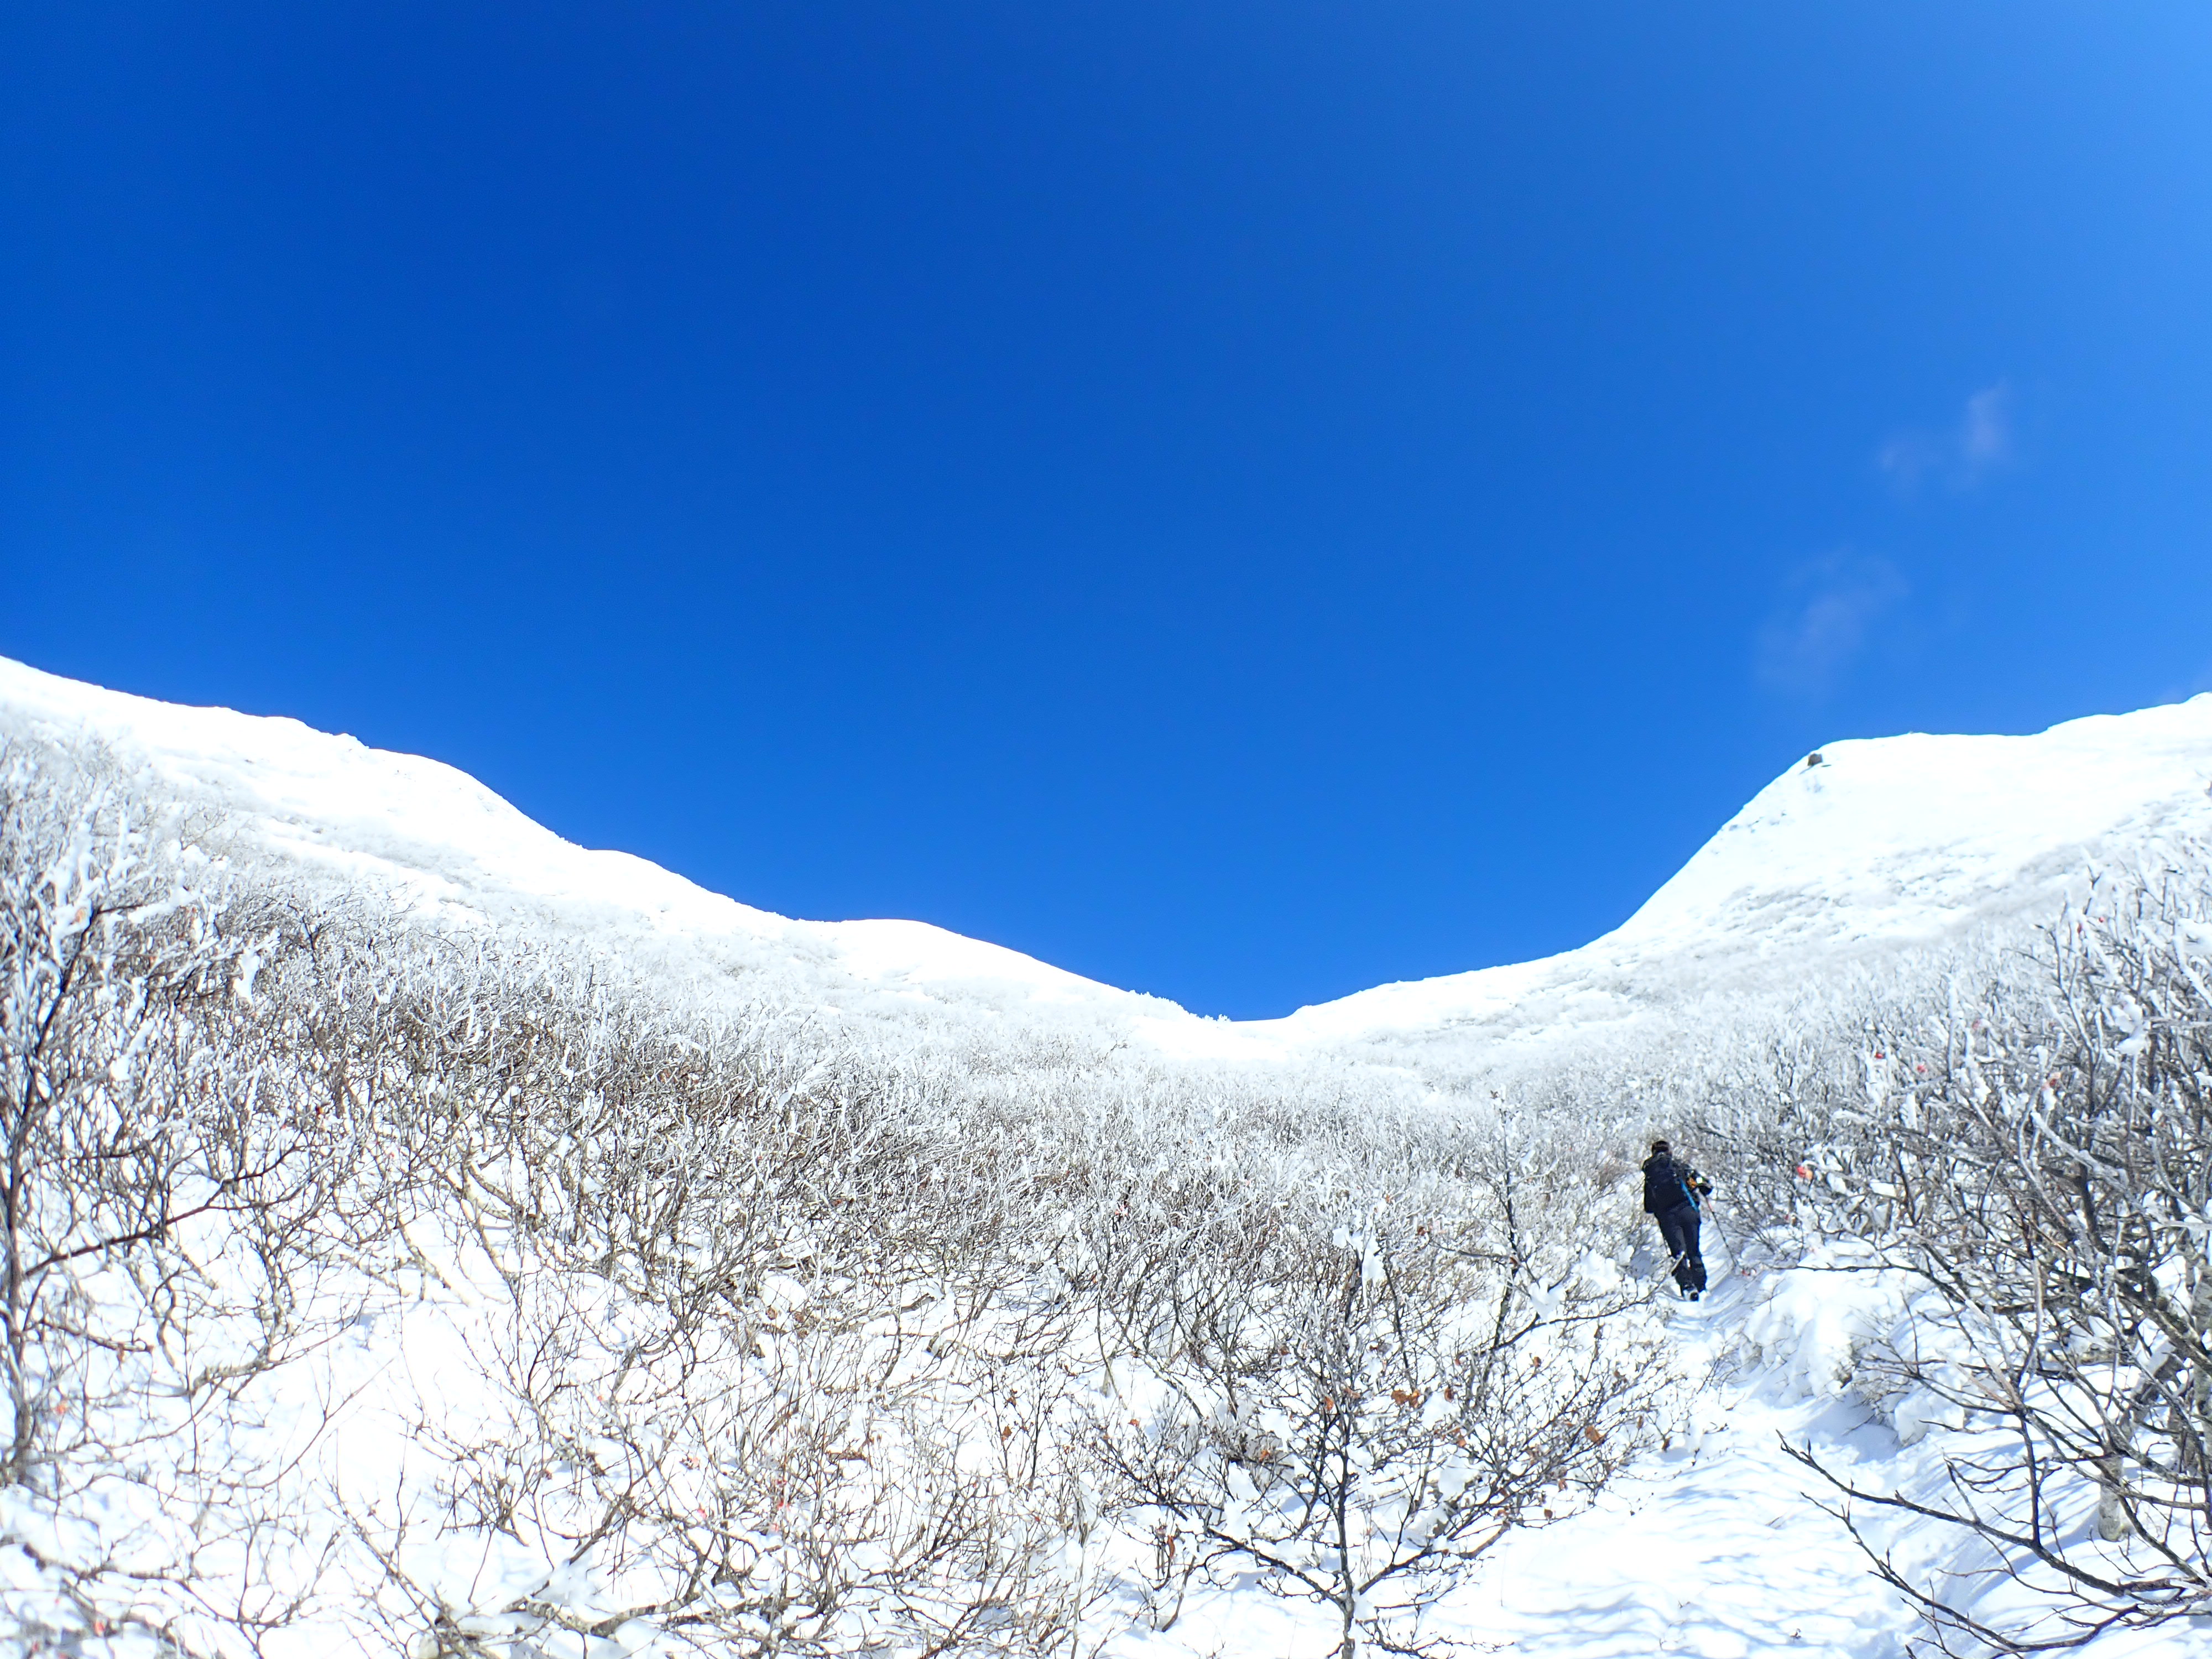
x=675 y=1278
x=598 y=1319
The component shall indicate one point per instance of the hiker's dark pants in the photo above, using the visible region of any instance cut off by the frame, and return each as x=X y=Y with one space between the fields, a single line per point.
x=1678 y=1226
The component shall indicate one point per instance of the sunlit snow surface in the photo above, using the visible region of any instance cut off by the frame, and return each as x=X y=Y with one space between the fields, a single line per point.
x=1887 y=841
x=437 y=835
x=1884 y=842
x=1708 y=1549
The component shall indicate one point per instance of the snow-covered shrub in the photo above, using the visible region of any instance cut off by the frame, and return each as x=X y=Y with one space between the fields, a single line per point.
x=173 y=1252
x=381 y=1280
x=1355 y=1395
x=737 y=1382
x=2033 y=1146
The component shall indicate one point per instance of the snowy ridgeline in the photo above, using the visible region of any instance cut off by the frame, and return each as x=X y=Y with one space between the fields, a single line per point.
x=393 y=1269
x=1898 y=843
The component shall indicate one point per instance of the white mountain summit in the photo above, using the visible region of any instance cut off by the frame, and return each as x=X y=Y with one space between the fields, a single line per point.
x=1872 y=845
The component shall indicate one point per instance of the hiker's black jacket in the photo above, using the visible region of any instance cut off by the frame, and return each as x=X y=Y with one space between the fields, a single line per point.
x=1668 y=1185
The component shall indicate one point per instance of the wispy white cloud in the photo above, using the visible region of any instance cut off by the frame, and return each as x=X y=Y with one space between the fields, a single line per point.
x=1985 y=435
x=1963 y=455
x=1832 y=606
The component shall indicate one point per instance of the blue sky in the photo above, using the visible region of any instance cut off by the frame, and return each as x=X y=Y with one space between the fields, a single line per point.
x=1243 y=500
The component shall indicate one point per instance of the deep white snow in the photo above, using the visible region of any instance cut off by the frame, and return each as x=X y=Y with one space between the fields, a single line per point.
x=1886 y=842
x=1707 y=1551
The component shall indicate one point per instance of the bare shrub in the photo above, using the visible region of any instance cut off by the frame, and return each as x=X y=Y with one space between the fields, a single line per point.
x=469 y=1291
x=2035 y=1150
x=1360 y=1408
x=741 y=1376
x=165 y=1221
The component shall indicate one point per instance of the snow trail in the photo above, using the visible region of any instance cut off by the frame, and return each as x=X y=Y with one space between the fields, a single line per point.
x=1713 y=1548
x=1710 y=1548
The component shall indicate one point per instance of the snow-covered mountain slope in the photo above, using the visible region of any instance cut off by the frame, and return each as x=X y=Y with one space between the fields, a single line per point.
x=1876 y=845
x=1883 y=843
x=1704 y=1545
x=427 y=830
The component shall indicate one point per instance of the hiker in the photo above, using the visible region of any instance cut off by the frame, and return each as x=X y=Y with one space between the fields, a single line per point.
x=1671 y=1192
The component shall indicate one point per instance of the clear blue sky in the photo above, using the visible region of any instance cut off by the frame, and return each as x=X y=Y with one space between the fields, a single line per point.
x=1241 y=501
